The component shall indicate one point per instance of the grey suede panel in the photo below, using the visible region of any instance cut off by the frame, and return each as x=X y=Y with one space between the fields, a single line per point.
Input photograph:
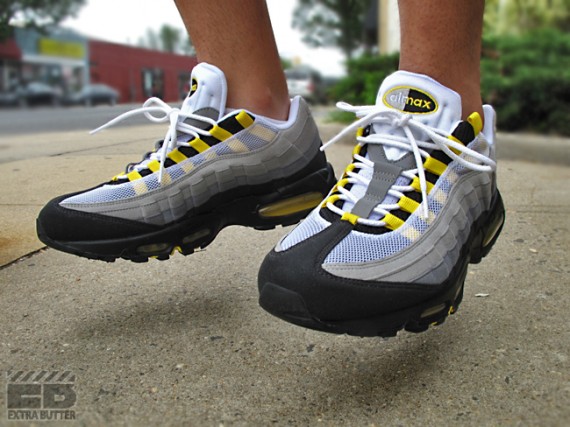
x=430 y=259
x=383 y=177
x=290 y=151
x=406 y=162
x=385 y=174
x=208 y=112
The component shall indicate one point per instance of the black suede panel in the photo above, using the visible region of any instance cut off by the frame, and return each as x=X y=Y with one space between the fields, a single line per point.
x=67 y=225
x=329 y=297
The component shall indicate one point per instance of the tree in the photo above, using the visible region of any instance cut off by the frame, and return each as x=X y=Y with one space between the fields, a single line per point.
x=286 y=63
x=520 y=16
x=37 y=14
x=186 y=46
x=168 y=39
x=151 y=40
x=336 y=23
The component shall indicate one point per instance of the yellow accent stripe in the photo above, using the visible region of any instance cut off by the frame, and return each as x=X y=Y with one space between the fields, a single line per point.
x=166 y=178
x=359 y=131
x=244 y=119
x=342 y=182
x=210 y=155
x=430 y=219
x=140 y=187
x=330 y=199
x=153 y=165
x=237 y=146
x=356 y=149
x=134 y=175
x=455 y=139
x=411 y=233
x=476 y=122
x=177 y=156
x=187 y=167
x=262 y=132
x=435 y=166
x=220 y=133
x=407 y=204
x=348 y=169
x=199 y=145
x=456 y=151
x=392 y=221
x=440 y=196
x=416 y=185
x=452 y=176
x=347 y=216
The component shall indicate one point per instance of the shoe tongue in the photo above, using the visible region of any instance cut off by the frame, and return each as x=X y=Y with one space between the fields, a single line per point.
x=425 y=99
x=428 y=102
x=208 y=92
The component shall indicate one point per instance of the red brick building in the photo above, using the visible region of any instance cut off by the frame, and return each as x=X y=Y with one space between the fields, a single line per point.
x=68 y=61
x=10 y=57
x=139 y=73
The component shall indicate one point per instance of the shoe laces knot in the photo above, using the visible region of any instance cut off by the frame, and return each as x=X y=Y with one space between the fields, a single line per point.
x=402 y=121
x=435 y=139
x=177 y=128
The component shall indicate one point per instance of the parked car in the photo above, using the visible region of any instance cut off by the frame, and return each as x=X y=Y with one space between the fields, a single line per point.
x=307 y=83
x=33 y=93
x=8 y=99
x=93 y=94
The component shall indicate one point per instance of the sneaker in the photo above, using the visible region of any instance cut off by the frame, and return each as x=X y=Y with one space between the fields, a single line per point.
x=388 y=249
x=214 y=168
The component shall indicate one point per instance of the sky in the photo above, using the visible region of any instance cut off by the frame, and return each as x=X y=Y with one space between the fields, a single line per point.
x=126 y=21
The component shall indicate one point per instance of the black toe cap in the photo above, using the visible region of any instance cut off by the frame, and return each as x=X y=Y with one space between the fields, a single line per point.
x=325 y=296
x=58 y=223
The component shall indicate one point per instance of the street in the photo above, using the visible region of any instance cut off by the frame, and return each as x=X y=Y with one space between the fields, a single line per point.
x=20 y=121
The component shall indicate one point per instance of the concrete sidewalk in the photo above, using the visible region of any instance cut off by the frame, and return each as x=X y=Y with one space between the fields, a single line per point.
x=184 y=341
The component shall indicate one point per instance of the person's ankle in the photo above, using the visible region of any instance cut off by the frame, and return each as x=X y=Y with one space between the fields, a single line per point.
x=264 y=103
x=471 y=105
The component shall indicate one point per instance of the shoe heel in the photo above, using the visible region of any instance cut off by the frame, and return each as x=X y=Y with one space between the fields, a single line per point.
x=291 y=203
x=489 y=231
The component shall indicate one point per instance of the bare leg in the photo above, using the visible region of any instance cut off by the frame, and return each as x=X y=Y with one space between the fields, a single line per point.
x=442 y=39
x=236 y=37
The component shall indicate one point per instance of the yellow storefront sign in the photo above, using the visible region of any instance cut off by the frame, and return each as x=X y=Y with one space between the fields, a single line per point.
x=52 y=47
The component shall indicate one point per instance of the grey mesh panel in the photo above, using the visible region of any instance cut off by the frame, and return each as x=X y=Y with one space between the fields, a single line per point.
x=310 y=226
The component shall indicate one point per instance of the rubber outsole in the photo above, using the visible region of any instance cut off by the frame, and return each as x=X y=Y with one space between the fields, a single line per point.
x=283 y=206
x=291 y=307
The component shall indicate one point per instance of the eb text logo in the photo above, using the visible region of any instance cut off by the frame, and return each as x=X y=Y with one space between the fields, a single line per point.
x=40 y=395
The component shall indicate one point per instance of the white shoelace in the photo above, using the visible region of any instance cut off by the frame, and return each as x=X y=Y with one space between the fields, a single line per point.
x=439 y=141
x=156 y=105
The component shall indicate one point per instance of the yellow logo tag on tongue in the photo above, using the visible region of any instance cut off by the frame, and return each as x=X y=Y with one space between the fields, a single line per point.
x=410 y=100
